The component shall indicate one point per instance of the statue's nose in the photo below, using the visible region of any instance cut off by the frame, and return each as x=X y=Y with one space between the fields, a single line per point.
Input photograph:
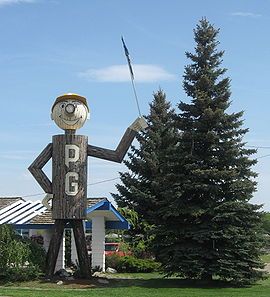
x=70 y=109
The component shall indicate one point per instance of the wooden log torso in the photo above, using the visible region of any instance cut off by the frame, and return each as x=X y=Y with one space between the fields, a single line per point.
x=69 y=175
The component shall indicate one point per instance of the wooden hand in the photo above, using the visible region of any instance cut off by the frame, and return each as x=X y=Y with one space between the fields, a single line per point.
x=45 y=201
x=139 y=124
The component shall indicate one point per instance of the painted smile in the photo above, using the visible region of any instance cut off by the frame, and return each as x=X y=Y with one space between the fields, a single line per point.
x=69 y=122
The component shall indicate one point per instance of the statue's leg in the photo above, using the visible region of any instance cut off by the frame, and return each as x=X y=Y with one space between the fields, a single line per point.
x=54 y=247
x=81 y=247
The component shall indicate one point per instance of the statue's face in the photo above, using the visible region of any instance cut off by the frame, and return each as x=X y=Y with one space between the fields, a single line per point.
x=69 y=114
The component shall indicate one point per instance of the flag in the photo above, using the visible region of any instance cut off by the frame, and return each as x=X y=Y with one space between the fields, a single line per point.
x=128 y=58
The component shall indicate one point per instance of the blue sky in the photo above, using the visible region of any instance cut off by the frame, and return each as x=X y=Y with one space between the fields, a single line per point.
x=48 y=48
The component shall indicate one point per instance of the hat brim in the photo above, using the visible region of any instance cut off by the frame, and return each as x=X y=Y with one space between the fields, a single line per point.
x=71 y=97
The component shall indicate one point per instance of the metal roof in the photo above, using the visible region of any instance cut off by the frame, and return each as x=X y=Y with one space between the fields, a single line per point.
x=20 y=212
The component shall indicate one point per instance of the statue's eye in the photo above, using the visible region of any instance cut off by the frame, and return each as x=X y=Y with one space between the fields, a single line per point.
x=63 y=105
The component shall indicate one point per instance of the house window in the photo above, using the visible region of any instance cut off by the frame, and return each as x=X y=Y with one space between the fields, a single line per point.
x=23 y=232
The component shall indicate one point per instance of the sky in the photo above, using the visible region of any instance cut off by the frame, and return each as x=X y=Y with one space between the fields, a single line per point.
x=51 y=47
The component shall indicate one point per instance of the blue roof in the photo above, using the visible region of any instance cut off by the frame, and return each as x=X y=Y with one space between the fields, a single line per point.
x=122 y=223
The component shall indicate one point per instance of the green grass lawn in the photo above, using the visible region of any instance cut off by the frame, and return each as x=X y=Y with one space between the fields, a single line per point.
x=139 y=287
x=133 y=285
x=266 y=258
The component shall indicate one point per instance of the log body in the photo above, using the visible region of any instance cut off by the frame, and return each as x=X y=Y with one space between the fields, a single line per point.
x=69 y=175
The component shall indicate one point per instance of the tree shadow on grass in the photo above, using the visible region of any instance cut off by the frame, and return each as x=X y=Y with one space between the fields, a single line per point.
x=103 y=282
x=170 y=283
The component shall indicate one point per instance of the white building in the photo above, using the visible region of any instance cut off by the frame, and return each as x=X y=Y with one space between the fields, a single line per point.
x=33 y=219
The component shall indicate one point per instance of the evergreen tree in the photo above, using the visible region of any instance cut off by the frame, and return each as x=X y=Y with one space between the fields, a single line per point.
x=216 y=227
x=145 y=187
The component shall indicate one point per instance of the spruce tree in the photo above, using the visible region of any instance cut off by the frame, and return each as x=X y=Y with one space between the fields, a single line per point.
x=216 y=229
x=146 y=187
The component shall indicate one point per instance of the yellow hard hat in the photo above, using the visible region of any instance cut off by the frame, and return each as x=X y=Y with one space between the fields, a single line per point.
x=71 y=96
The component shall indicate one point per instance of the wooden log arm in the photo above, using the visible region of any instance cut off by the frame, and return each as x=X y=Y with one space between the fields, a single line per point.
x=122 y=148
x=36 y=169
x=113 y=155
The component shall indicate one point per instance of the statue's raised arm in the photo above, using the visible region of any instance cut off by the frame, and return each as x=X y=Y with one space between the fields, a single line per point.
x=119 y=153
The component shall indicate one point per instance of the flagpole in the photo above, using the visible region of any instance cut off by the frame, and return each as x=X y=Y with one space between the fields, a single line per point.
x=136 y=97
x=131 y=76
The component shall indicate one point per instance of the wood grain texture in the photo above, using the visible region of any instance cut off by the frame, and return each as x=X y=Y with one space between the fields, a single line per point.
x=54 y=247
x=81 y=247
x=36 y=169
x=65 y=206
x=113 y=155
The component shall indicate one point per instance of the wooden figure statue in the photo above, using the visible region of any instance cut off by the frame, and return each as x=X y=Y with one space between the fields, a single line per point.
x=68 y=189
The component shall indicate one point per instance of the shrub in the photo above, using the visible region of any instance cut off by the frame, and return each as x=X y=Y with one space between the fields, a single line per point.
x=68 y=261
x=131 y=264
x=112 y=261
x=20 y=259
x=13 y=252
x=21 y=273
x=37 y=255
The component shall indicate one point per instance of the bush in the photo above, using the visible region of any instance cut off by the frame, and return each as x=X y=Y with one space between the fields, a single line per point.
x=131 y=264
x=112 y=261
x=68 y=261
x=13 y=252
x=20 y=259
x=37 y=255
x=21 y=273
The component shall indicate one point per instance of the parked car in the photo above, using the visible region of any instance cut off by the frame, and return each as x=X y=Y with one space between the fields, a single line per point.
x=114 y=248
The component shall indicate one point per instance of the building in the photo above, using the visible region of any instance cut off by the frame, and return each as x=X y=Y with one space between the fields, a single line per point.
x=32 y=219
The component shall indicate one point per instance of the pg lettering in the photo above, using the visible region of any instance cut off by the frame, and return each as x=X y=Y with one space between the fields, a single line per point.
x=72 y=154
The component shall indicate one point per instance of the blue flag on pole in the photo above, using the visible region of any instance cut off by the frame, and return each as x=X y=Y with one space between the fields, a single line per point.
x=128 y=58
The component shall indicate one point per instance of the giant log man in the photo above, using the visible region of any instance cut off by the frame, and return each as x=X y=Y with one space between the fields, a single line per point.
x=68 y=188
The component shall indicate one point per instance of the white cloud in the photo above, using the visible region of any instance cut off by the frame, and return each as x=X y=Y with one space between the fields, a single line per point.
x=120 y=73
x=17 y=155
x=246 y=14
x=10 y=2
